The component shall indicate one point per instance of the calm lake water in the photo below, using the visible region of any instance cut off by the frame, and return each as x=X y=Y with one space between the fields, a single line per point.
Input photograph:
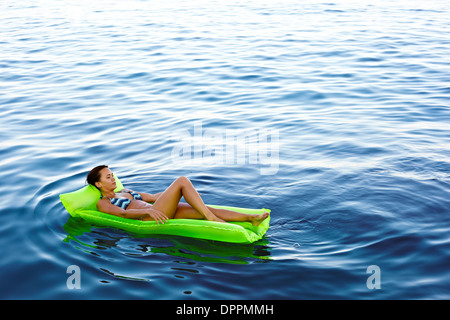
x=333 y=114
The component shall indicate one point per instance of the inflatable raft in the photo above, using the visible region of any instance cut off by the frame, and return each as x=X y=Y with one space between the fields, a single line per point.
x=82 y=203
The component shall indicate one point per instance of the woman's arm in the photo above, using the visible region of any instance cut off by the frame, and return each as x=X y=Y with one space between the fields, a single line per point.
x=147 y=197
x=106 y=206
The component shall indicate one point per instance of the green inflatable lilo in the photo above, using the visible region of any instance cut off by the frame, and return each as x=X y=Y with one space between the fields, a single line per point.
x=82 y=203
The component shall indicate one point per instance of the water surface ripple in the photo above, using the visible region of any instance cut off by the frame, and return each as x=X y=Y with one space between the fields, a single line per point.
x=357 y=92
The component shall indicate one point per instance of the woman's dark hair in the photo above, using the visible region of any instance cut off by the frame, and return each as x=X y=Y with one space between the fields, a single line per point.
x=94 y=175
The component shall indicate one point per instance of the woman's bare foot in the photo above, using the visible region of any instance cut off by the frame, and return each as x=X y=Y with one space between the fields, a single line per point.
x=258 y=218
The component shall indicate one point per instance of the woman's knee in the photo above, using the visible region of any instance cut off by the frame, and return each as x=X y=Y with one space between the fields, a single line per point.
x=183 y=180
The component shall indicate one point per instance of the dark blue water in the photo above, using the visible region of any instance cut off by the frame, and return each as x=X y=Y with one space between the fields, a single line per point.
x=333 y=114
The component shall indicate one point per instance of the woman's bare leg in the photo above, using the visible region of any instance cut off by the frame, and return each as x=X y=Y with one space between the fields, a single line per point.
x=168 y=201
x=185 y=211
x=229 y=215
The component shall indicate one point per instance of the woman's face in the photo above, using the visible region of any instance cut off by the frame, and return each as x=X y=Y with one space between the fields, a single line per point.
x=107 y=180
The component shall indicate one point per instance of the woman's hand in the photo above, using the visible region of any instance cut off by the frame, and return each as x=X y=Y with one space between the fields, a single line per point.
x=156 y=215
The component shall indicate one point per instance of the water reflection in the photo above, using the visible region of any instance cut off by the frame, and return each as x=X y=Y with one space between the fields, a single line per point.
x=199 y=250
x=118 y=276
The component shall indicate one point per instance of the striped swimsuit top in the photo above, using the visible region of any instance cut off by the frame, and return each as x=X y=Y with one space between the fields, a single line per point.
x=124 y=202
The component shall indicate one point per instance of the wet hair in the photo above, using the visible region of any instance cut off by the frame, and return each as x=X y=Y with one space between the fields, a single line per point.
x=94 y=175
